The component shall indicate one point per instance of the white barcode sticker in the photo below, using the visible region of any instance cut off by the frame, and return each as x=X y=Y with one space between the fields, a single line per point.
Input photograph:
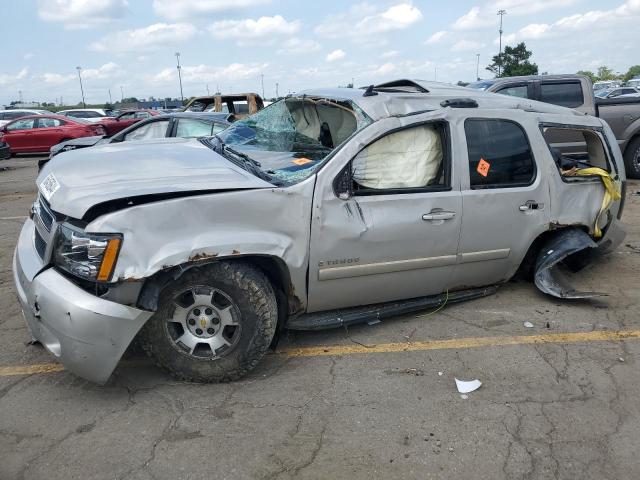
x=49 y=186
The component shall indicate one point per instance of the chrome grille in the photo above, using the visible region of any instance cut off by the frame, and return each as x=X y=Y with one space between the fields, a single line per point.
x=45 y=214
x=40 y=244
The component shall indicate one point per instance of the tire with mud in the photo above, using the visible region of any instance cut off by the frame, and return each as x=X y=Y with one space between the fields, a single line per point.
x=213 y=324
x=632 y=158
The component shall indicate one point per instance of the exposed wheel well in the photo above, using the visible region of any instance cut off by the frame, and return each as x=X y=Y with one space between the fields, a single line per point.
x=526 y=269
x=274 y=268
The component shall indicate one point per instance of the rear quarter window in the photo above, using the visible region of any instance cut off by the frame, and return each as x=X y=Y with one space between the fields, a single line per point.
x=564 y=94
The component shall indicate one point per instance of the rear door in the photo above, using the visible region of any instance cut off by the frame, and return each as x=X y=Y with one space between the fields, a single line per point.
x=505 y=198
x=49 y=132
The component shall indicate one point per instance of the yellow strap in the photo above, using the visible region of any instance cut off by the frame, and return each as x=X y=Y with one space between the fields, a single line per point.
x=611 y=191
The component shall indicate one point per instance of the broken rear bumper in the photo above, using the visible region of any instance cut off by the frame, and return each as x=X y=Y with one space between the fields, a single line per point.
x=87 y=334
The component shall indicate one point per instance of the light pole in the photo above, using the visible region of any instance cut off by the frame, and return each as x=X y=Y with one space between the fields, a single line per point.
x=110 y=99
x=81 y=89
x=477 y=67
x=121 y=94
x=502 y=13
x=179 y=75
x=262 y=83
x=277 y=96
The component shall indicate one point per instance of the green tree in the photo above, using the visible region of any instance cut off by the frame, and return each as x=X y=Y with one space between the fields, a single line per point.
x=514 y=61
x=605 y=73
x=588 y=73
x=632 y=73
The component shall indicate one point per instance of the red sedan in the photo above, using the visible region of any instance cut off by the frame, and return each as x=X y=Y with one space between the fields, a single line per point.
x=38 y=133
x=125 y=119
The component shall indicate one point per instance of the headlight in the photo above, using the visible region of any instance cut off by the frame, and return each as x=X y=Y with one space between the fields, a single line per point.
x=91 y=256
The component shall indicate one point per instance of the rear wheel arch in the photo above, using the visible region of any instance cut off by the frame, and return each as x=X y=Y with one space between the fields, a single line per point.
x=527 y=266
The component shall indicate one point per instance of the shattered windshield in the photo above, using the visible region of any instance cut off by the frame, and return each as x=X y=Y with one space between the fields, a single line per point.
x=290 y=138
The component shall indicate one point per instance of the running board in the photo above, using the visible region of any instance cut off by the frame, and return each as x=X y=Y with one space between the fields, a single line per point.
x=354 y=315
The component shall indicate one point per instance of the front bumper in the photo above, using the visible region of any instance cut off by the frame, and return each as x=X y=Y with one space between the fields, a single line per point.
x=87 y=334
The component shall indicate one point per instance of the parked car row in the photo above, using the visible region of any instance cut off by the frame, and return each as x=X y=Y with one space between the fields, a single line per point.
x=180 y=124
x=38 y=133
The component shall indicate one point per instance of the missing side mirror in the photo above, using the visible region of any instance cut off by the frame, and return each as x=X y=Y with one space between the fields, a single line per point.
x=343 y=183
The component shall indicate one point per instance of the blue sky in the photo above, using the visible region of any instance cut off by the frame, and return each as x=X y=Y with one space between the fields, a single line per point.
x=230 y=44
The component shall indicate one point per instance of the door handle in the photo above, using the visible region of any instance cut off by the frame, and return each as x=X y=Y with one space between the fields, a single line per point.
x=531 y=205
x=438 y=215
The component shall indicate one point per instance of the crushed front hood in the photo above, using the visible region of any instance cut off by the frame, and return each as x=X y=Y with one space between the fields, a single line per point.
x=91 y=176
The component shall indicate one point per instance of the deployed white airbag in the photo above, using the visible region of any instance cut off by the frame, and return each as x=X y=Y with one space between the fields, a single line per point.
x=409 y=158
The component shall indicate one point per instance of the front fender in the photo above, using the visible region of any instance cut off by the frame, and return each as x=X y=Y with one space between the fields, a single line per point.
x=266 y=222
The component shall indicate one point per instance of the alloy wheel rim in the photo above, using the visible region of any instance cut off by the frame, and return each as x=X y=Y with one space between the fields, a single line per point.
x=203 y=322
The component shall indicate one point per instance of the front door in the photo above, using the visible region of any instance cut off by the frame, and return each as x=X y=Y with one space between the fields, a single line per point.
x=19 y=134
x=505 y=200
x=396 y=236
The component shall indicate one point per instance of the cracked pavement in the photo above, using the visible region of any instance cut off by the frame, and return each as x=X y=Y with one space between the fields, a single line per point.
x=545 y=411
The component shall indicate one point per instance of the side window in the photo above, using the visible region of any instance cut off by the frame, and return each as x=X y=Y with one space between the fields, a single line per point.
x=25 y=124
x=592 y=152
x=49 y=123
x=189 y=127
x=126 y=116
x=412 y=158
x=149 y=131
x=564 y=94
x=142 y=115
x=519 y=91
x=499 y=154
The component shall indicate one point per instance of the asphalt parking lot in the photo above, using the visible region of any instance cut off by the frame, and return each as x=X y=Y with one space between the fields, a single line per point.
x=559 y=400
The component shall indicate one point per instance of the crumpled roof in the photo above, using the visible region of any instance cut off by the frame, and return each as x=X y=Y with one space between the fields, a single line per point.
x=399 y=103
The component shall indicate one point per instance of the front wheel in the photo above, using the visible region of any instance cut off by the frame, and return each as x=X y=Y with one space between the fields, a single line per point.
x=213 y=324
x=632 y=159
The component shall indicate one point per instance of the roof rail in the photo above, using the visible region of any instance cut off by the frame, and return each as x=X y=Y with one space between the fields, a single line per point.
x=401 y=86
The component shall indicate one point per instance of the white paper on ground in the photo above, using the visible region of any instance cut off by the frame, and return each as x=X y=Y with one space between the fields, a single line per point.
x=466 y=387
x=528 y=325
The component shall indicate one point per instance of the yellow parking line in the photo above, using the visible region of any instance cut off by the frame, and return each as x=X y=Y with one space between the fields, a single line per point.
x=30 y=369
x=449 y=344
x=462 y=343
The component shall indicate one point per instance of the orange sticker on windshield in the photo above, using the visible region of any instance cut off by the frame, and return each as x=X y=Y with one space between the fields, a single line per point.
x=483 y=167
x=301 y=161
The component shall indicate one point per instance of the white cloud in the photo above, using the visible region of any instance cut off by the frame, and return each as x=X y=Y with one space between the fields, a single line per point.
x=57 y=79
x=9 y=79
x=336 y=55
x=147 y=38
x=466 y=45
x=485 y=16
x=385 y=69
x=594 y=20
x=353 y=24
x=296 y=46
x=436 y=37
x=208 y=73
x=82 y=14
x=28 y=56
x=186 y=9
x=107 y=71
x=389 y=54
x=248 y=30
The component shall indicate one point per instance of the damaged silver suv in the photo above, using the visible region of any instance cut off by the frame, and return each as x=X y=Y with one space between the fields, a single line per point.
x=324 y=209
